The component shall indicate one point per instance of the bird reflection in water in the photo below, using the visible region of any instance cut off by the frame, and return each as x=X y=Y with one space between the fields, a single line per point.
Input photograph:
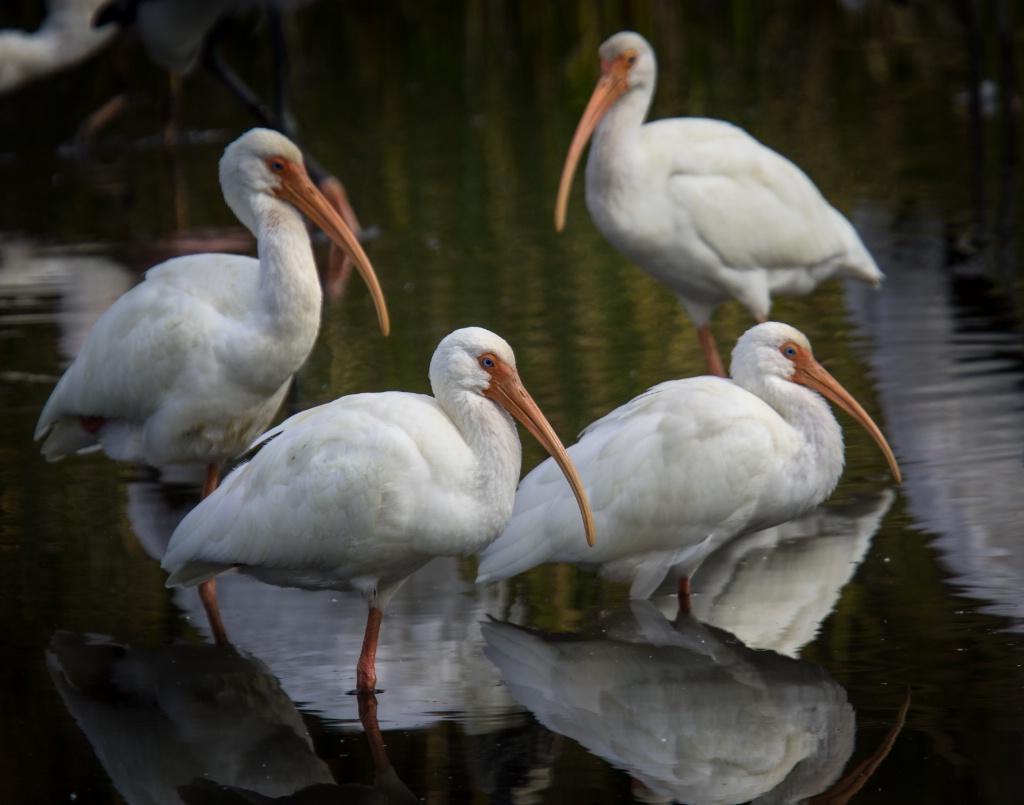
x=800 y=567
x=685 y=708
x=202 y=725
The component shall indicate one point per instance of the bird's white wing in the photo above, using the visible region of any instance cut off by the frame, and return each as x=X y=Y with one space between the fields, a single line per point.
x=661 y=472
x=321 y=495
x=139 y=350
x=751 y=205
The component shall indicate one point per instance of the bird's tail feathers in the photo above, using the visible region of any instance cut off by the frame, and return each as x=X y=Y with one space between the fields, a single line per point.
x=63 y=437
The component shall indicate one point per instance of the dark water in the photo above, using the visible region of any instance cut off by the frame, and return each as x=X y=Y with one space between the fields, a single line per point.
x=871 y=650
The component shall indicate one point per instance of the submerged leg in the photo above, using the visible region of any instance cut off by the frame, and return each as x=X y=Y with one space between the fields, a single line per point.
x=208 y=589
x=366 y=676
x=711 y=357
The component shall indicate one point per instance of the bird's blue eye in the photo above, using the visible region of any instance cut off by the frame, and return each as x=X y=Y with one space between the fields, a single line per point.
x=789 y=351
x=276 y=165
x=487 y=362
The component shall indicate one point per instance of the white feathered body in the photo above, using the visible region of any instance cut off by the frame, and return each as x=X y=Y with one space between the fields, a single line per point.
x=357 y=494
x=185 y=368
x=673 y=474
x=708 y=210
x=191 y=365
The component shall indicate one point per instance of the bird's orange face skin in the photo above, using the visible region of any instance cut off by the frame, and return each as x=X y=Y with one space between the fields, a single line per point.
x=808 y=372
x=298 y=189
x=508 y=391
x=613 y=82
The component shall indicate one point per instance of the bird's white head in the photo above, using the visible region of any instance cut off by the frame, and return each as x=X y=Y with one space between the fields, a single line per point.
x=772 y=352
x=628 y=58
x=256 y=164
x=263 y=170
x=771 y=349
x=475 y=361
x=468 y=360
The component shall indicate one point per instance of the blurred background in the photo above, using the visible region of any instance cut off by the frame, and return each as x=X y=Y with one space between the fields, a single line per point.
x=448 y=123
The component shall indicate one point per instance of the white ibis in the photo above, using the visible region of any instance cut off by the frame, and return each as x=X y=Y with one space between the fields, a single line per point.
x=699 y=204
x=192 y=364
x=361 y=492
x=690 y=464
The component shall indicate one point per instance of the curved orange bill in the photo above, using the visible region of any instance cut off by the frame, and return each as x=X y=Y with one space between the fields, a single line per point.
x=609 y=87
x=812 y=374
x=297 y=188
x=507 y=390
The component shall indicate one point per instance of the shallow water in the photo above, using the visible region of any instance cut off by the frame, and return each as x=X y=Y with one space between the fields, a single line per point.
x=882 y=629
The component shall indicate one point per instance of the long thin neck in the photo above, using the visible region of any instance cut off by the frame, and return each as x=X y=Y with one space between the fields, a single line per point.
x=620 y=127
x=490 y=433
x=289 y=285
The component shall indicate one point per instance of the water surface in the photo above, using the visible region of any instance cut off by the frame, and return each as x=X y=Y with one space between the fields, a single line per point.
x=448 y=123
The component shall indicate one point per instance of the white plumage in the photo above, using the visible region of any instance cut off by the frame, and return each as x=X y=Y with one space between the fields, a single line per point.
x=685 y=709
x=64 y=39
x=361 y=492
x=699 y=204
x=192 y=364
x=688 y=465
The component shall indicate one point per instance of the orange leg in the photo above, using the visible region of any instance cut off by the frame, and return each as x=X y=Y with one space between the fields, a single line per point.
x=208 y=589
x=366 y=675
x=711 y=357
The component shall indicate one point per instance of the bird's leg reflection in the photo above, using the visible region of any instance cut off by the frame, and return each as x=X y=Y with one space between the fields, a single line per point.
x=368 y=718
x=683 y=591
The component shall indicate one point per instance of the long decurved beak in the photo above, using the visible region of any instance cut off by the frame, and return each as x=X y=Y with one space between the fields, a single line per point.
x=297 y=188
x=508 y=391
x=812 y=374
x=609 y=87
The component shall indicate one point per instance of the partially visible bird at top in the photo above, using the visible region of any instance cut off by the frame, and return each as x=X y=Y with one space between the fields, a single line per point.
x=688 y=465
x=701 y=205
x=180 y=36
x=360 y=493
x=64 y=39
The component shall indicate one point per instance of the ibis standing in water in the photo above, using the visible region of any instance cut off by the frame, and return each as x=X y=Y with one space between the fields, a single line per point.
x=192 y=364
x=699 y=204
x=361 y=492
x=688 y=465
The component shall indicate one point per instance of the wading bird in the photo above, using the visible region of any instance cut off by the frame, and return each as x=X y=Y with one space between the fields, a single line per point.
x=191 y=365
x=689 y=465
x=361 y=492
x=699 y=204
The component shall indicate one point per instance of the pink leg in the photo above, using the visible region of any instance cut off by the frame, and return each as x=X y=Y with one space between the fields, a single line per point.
x=711 y=357
x=339 y=265
x=208 y=589
x=208 y=595
x=366 y=676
